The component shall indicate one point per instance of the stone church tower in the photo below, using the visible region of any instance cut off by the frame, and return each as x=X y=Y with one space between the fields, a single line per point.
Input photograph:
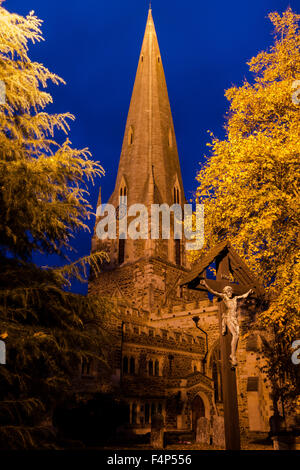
x=160 y=362
x=149 y=173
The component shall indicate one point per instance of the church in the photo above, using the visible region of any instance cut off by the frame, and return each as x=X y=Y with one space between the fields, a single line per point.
x=166 y=357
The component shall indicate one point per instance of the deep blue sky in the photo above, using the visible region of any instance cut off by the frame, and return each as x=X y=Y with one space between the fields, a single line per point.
x=94 y=45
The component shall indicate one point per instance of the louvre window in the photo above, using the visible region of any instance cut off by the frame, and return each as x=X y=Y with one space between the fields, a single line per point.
x=177 y=252
x=132 y=365
x=125 y=365
x=121 y=250
x=130 y=136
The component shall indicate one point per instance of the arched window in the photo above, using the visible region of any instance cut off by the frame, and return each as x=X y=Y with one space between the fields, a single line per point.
x=121 y=250
x=171 y=359
x=142 y=415
x=122 y=193
x=177 y=252
x=150 y=366
x=198 y=411
x=128 y=413
x=130 y=136
x=134 y=413
x=147 y=413
x=132 y=366
x=215 y=380
x=125 y=365
x=156 y=368
x=176 y=195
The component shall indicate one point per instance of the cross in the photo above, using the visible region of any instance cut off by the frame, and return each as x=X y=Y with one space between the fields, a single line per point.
x=231 y=414
x=227 y=262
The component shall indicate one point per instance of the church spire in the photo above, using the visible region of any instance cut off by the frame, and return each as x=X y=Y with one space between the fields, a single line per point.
x=149 y=144
x=149 y=170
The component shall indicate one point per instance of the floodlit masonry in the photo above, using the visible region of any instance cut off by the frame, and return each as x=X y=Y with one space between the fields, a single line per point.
x=158 y=358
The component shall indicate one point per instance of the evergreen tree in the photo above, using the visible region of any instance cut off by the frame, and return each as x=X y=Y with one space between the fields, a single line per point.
x=43 y=198
x=250 y=188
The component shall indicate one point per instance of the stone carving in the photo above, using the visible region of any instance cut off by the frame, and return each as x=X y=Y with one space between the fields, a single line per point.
x=230 y=317
x=203 y=431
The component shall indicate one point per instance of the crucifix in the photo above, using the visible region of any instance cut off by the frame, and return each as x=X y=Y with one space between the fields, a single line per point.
x=230 y=316
x=229 y=268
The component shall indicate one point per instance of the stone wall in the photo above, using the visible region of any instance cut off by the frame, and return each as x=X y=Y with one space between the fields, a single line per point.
x=153 y=321
x=147 y=284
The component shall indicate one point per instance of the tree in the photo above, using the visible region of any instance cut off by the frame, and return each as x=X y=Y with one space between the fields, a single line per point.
x=249 y=186
x=43 y=197
x=41 y=181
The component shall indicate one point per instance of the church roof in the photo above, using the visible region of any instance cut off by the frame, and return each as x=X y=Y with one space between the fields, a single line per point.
x=238 y=268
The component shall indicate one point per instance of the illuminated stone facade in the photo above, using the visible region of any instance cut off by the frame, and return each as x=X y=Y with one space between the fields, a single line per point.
x=159 y=360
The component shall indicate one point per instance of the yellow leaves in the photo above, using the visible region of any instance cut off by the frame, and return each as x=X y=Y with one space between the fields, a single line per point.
x=281 y=60
x=22 y=76
x=40 y=335
x=16 y=31
x=44 y=183
x=266 y=106
x=249 y=184
x=285 y=24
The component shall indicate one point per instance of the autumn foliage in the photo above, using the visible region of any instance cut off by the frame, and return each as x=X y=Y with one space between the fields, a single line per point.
x=250 y=187
x=43 y=198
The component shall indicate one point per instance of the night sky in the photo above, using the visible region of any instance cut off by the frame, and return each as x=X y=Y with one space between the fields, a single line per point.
x=94 y=45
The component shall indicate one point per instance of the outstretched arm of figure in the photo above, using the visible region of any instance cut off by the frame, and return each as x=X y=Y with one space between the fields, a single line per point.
x=219 y=294
x=244 y=296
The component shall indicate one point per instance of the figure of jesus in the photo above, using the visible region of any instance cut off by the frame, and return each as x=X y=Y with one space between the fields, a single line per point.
x=230 y=317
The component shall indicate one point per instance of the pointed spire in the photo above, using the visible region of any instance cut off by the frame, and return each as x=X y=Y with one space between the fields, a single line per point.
x=99 y=198
x=149 y=166
x=149 y=138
